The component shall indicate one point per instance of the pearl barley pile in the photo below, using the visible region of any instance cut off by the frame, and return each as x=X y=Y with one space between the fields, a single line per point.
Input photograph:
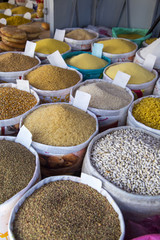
x=130 y=159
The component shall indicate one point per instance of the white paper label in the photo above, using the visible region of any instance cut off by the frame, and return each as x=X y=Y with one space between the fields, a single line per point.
x=149 y=62
x=30 y=49
x=8 y=12
x=59 y=34
x=56 y=60
x=3 y=21
x=27 y=15
x=81 y=100
x=97 y=49
x=23 y=85
x=24 y=137
x=121 y=79
x=11 y=1
x=29 y=5
x=91 y=181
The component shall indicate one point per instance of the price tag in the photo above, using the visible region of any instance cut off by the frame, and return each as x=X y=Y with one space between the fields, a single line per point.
x=97 y=49
x=149 y=62
x=27 y=15
x=81 y=100
x=11 y=2
x=121 y=79
x=56 y=60
x=30 y=49
x=3 y=21
x=24 y=137
x=91 y=181
x=8 y=12
x=59 y=34
x=29 y=5
x=23 y=85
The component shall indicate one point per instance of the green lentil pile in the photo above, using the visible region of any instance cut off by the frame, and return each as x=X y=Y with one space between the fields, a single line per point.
x=14 y=102
x=51 y=78
x=17 y=166
x=66 y=210
x=14 y=62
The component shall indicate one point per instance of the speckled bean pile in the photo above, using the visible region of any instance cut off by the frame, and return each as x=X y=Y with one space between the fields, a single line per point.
x=130 y=159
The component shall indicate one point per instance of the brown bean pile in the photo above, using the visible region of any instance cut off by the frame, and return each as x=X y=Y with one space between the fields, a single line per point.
x=14 y=102
x=17 y=166
x=15 y=62
x=66 y=210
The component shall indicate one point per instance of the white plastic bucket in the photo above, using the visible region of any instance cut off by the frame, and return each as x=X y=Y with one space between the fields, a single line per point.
x=7 y=206
x=11 y=77
x=10 y=126
x=53 y=155
x=124 y=57
x=131 y=121
x=62 y=178
x=139 y=90
x=80 y=44
x=106 y=118
x=132 y=205
x=54 y=96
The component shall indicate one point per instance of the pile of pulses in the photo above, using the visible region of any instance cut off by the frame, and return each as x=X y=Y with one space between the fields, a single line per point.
x=14 y=102
x=58 y=211
x=14 y=62
x=147 y=111
x=17 y=166
x=130 y=159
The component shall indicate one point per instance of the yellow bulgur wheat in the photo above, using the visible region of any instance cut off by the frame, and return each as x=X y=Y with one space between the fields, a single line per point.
x=60 y=125
x=147 y=111
x=52 y=78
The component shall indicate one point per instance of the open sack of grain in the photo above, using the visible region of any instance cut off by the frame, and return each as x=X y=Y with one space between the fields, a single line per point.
x=142 y=81
x=89 y=213
x=109 y=102
x=14 y=64
x=126 y=159
x=144 y=113
x=79 y=38
x=118 y=49
x=20 y=170
x=61 y=133
x=52 y=83
x=14 y=102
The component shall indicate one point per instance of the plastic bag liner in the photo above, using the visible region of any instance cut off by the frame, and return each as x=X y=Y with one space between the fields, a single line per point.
x=11 y=77
x=106 y=118
x=121 y=57
x=156 y=90
x=132 y=204
x=120 y=30
x=57 y=160
x=131 y=121
x=139 y=90
x=148 y=237
x=53 y=96
x=62 y=178
x=87 y=74
x=9 y=126
x=7 y=206
x=80 y=44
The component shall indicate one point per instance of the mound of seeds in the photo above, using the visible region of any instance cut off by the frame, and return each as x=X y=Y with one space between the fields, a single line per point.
x=66 y=210
x=14 y=62
x=60 y=125
x=17 y=166
x=14 y=102
x=51 y=78
x=130 y=159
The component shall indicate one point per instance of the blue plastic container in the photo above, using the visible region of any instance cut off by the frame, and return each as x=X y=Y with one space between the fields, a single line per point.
x=91 y=73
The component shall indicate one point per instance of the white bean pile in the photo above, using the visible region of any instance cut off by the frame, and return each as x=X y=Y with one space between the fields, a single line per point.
x=130 y=159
